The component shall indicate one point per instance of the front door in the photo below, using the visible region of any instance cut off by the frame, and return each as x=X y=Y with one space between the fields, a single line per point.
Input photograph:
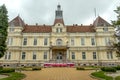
x=59 y=57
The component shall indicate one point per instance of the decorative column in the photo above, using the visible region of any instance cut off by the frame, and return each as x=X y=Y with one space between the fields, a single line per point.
x=67 y=54
x=50 y=54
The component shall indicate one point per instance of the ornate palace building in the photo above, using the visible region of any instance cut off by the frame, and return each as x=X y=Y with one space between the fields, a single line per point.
x=34 y=45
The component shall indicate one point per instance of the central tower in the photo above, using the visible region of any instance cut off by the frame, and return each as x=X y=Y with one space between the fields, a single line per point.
x=58 y=15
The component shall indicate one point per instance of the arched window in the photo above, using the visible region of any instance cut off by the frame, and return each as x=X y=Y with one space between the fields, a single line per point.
x=59 y=42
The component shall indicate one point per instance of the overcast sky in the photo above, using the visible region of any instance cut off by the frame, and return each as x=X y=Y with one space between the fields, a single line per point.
x=74 y=11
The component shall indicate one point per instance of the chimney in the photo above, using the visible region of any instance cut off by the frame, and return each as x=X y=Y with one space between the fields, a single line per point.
x=43 y=24
x=36 y=24
x=81 y=24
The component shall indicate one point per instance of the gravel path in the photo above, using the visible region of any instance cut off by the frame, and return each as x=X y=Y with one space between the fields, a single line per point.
x=58 y=74
x=3 y=76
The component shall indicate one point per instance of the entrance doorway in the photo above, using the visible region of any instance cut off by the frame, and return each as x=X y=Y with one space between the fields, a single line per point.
x=59 y=57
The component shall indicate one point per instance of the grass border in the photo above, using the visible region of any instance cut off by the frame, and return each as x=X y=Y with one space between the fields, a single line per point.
x=13 y=76
x=101 y=75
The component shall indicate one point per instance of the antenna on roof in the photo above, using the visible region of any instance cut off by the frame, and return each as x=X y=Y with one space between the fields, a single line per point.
x=19 y=15
x=95 y=12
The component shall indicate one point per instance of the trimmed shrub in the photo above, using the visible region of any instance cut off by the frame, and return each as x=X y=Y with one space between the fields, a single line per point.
x=7 y=70
x=117 y=68
x=36 y=68
x=24 y=69
x=108 y=69
x=80 y=68
x=1 y=67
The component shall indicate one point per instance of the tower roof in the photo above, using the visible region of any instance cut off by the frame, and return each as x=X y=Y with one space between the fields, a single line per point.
x=100 y=22
x=59 y=21
x=59 y=15
x=17 y=21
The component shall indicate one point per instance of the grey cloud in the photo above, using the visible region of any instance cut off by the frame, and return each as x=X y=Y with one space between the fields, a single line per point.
x=74 y=11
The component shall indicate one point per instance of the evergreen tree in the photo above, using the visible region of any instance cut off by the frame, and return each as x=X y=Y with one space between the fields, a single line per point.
x=3 y=29
x=116 y=24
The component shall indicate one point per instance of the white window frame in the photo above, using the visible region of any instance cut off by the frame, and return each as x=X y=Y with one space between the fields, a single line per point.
x=107 y=40
x=45 y=56
x=82 y=41
x=25 y=41
x=72 y=41
x=92 y=41
x=94 y=55
x=23 y=56
x=83 y=55
x=73 y=55
x=8 y=56
x=35 y=41
x=45 y=41
x=34 y=56
x=109 y=55
x=10 y=41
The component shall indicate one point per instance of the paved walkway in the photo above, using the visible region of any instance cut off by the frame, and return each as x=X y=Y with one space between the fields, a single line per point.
x=58 y=74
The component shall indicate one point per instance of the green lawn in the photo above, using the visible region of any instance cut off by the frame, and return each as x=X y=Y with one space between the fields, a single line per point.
x=14 y=76
x=117 y=78
x=101 y=74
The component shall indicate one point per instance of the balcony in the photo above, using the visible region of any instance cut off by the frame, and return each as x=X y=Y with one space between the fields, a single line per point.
x=59 y=45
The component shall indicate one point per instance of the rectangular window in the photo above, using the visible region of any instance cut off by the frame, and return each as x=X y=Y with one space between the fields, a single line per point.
x=5 y=56
x=92 y=41
x=72 y=41
x=60 y=29
x=10 y=41
x=34 y=56
x=25 y=41
x=94 y=55
x=107 y=40
x=8 y=56
x=82 y=41
x=45 y=55
x=83 y=55
x=35 y=41
x=109 y=55
x=23 y=55
x=57 y=30
x=46 y=41
x=73 y=55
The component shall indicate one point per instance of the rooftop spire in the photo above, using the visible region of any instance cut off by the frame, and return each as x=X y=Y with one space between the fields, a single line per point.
x=58 y=7
x=58 y=15
x=58 y=12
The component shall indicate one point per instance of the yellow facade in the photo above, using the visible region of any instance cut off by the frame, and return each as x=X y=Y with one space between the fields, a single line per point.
x=61 y=47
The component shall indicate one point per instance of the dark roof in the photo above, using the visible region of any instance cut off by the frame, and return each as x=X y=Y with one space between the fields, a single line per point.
x=16 y=22
x=37 y=29
x=82 y=28
x=100 y=22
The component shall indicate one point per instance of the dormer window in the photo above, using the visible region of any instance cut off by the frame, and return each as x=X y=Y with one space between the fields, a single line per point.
x=105 y=29
x=11 y=29
x=58 y=30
